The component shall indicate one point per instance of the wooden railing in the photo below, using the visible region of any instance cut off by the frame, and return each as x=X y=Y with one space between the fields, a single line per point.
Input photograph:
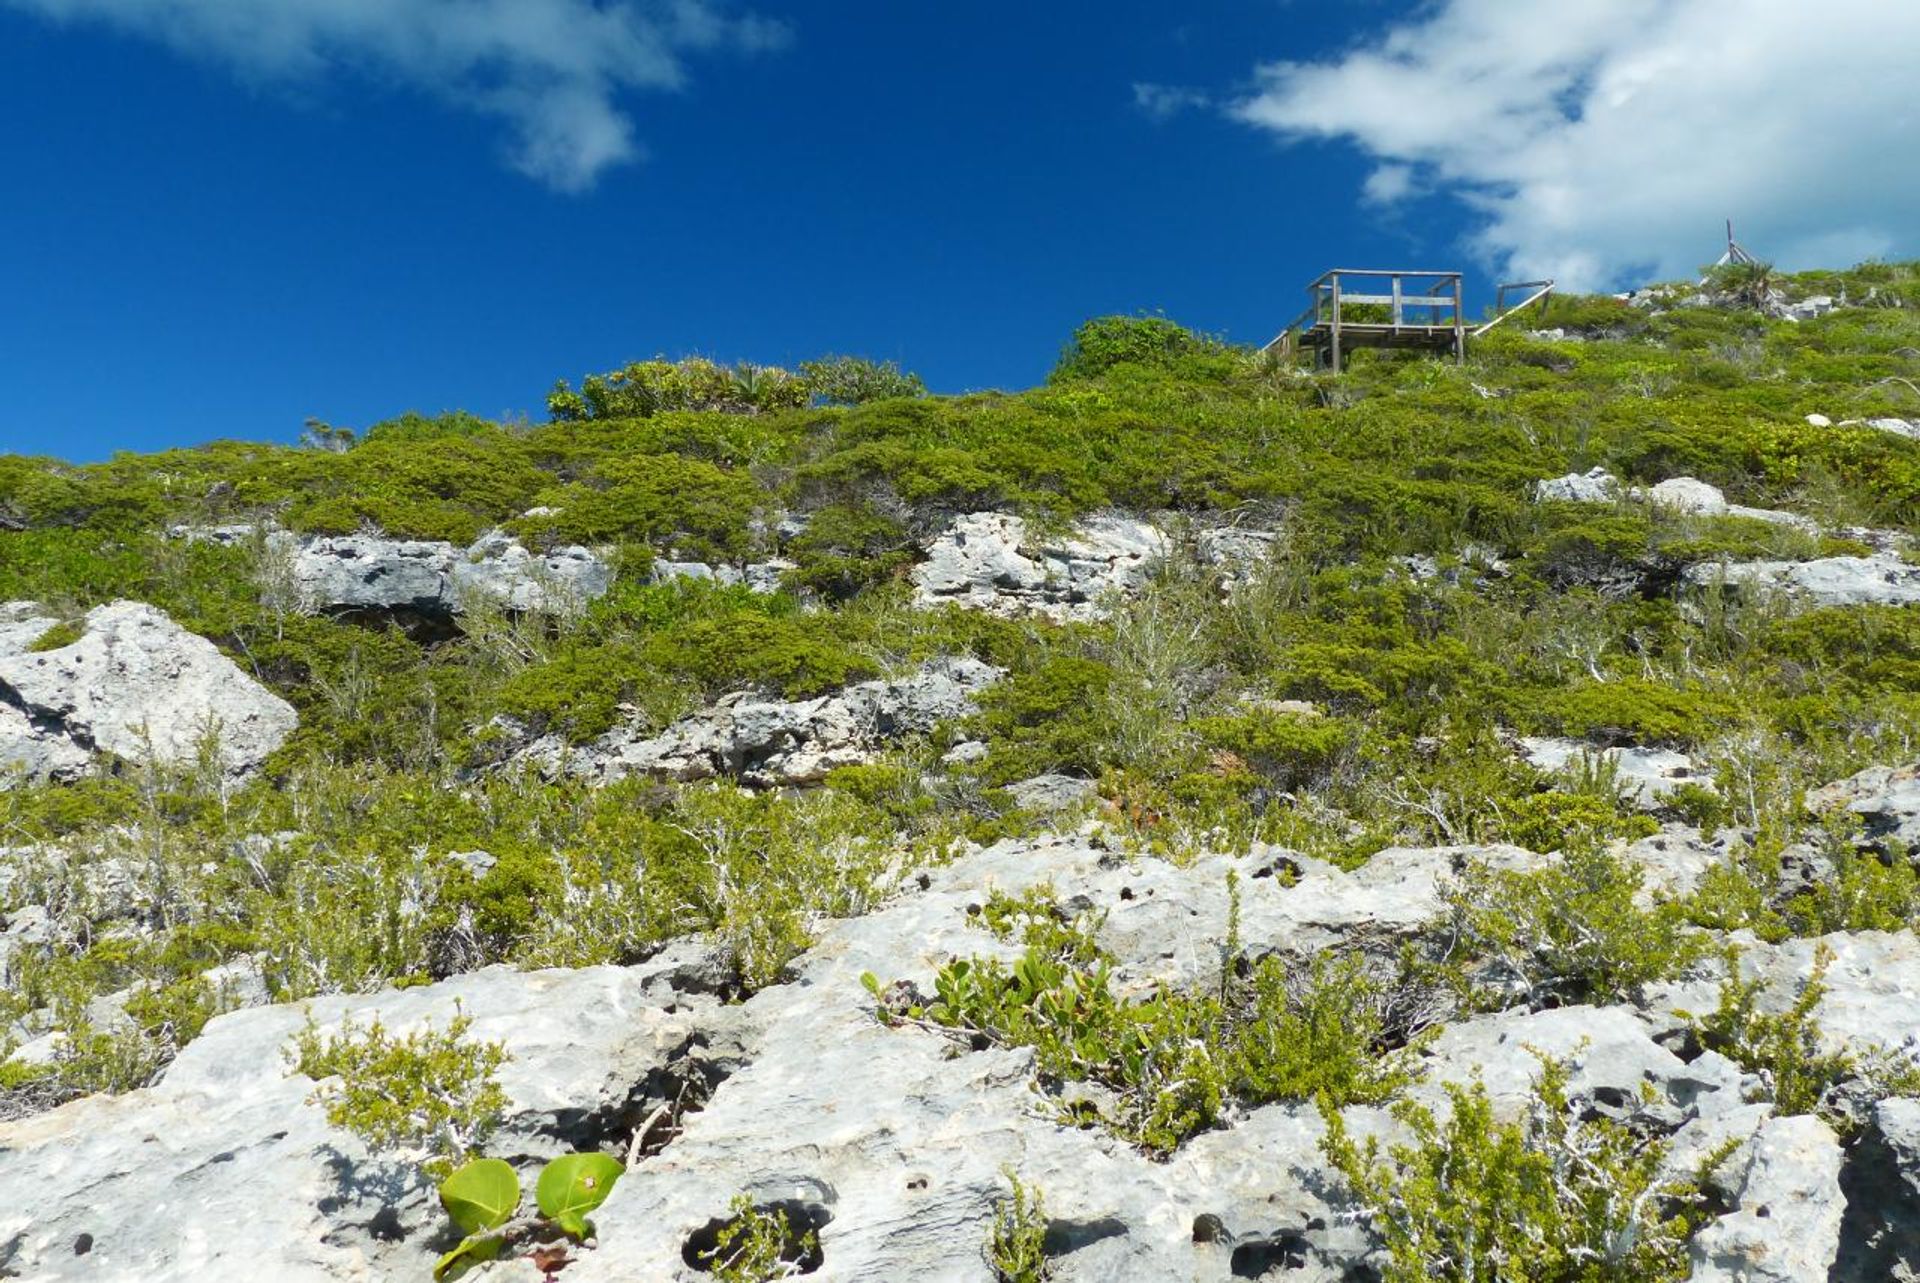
x=1420 y=309
x=1414 y=301
x=1540 y=291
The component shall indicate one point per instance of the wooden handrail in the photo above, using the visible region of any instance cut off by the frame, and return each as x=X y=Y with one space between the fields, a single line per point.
x=1541 y=291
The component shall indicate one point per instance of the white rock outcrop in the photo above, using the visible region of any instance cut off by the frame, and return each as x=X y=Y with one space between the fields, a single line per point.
x=1648 y=774
x=1883 y=579
x=1784 y=1182
x=994 y=561
x=135 y=685
x=1886 y=798
x=224 y=1169
x=1596 y=485
x=366 y=572
x=777 y=742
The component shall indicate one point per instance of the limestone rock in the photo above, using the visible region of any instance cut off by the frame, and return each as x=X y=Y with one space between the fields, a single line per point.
x=1886 y=798
x=1688 y=494
x=223 y=1169
x=139 y=686
x=1899 y=427
x=1785 y=1226
x=500 y=567
x=779 y=742
x=364 y=572
x=1051 y=793
x=1648 y=774
x=991 y=561
x=1596 y=485
x=1879 y=580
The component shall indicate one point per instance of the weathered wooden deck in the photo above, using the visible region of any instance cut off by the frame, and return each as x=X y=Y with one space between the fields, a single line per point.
x=1397 y=310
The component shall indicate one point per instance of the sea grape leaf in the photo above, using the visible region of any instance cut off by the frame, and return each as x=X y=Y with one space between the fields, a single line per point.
x=481 y=1195
x=574 y=1184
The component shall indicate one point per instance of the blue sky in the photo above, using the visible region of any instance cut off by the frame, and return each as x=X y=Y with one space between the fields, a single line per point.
x=223 y=216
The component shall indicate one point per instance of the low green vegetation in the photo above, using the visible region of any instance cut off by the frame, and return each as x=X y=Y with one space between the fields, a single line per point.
x=1016 y=1249
x=758 y=1245
x=430 y=1094
x=1361 y=687
x=1552 y=1197
x=1169 y=1063
x=482 y=1196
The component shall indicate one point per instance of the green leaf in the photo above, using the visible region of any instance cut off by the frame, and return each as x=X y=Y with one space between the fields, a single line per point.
x=573 y=1226
x=574 y=1184
x=471 y=1252
x=480 y=1195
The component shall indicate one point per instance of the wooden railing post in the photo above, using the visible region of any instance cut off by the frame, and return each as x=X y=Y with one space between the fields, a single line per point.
x=1459 y=324
x=1333 y=352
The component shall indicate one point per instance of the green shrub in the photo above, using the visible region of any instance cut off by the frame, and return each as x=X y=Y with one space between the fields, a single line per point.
x=1558 y=1196
x=1289 y=750
x=848 y=547
x=646 y=388
x=1170 y=1061
x=1016 y=1249
x=1152 y=341
x=855 y=380
x=430 y=1093
x=1784 y=1048
x=758 y=1245
x=1046 y=718
x=1633 y=710
x=700 y=510
x=1570 y=932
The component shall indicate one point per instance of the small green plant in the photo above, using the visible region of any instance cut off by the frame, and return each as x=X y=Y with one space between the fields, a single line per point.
x=432 y=1092
x=1171 y=1061
x=1783 y=1048
x=1553 y=1197
x=64 y=633
x=1016 y=1247
x=482 y=1195
x=758 y=1245
x=1571 y=932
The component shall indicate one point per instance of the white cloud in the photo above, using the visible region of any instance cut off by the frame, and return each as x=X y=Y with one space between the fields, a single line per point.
x=1388 y=184
x=553 y=70
x=1602 y=142
x=1164 y=102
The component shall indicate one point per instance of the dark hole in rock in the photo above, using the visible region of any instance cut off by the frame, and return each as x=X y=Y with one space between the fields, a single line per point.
x=925 y=881
x=1070 y=1236
x=82 y=1244
x=979 y=1042
x=1263 y=1256
x=916 y=1183
x=797 y=1251
x=1283 y=866
x=1126 y=893
x=1208 y=1228
x=225 y=1156
x=1880 y=1229
x=653 y=1109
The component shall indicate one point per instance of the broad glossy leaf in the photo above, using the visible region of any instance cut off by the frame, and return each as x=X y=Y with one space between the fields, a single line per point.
x=480 y=1195
x=574 y=1184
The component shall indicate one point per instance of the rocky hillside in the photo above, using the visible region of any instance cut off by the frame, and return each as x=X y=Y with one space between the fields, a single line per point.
x=1197 y=819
